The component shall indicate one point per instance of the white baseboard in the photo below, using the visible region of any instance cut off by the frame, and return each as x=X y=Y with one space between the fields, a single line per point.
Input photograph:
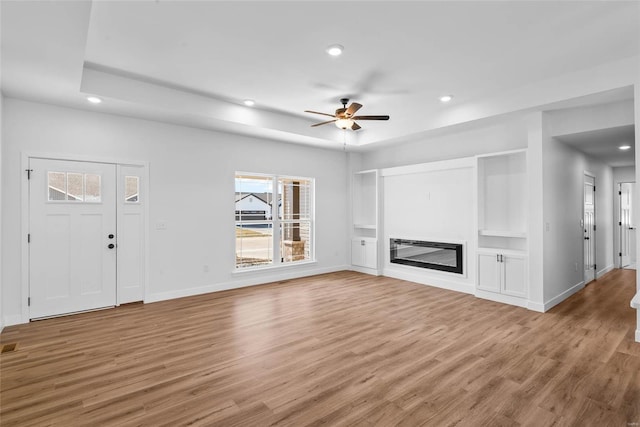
x=535 y=306
x=225 y=286
x=365 y=270
x=604 y=271
x=501 y=298
x=638 y=335
x=429 y=280
x=14 y=319
x=563 y=296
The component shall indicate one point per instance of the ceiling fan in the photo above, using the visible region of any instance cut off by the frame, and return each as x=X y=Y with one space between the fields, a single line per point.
x=345 y=117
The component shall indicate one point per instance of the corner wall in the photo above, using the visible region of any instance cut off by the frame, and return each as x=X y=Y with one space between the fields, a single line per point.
x=563 y=188
x=191 y=190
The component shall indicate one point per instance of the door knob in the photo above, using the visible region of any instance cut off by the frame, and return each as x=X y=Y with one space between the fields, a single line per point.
x=111 y=236
x=586 y=238
x=111 y=246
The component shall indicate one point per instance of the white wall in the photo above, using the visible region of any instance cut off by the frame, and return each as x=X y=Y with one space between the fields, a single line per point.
x=497 y=135
x=191 y=189
x=1 y=208
x=435 y=205
x=563 y=181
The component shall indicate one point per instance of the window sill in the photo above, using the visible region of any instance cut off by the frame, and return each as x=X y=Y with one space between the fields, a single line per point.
x=273 y=267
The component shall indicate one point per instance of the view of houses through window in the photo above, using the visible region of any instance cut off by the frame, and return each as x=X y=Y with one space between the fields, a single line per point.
x=265 y=203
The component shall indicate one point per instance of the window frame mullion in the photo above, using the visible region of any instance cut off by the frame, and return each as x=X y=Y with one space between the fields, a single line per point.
x=275 y=215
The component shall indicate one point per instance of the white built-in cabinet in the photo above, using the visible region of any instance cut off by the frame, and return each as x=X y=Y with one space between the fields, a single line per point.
x=502 y=227
x=364 y=238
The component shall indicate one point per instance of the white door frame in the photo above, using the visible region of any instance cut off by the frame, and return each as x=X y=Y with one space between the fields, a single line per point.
x=24 y=226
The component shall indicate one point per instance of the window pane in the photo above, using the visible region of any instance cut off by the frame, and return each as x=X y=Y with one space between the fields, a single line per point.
x=295 y=238
x=57 y=185
x=131 y=189
x=74 y=186
x=254 y=198
x=92 y=188
x=254 y=244
x=295 y=198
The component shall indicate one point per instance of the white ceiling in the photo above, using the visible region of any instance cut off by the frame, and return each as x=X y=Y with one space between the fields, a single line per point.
x=603 y=144
x=194 y=62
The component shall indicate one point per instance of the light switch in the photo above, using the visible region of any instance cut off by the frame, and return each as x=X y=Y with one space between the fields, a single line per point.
x=161 y=224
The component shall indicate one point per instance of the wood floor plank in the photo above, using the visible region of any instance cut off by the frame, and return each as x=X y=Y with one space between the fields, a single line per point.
x=340 y=349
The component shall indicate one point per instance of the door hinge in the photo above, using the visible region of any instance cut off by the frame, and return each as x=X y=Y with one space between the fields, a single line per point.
x=619 y=193
x=29 y=173
x=29 y=301
x=595 y=267
x=29 y=238
x=594 y=227
x=619 y=253
x=594 y=188
x=620 y=223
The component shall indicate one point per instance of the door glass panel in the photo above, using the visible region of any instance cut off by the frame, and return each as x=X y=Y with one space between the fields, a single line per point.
x=57 y=186
x=92 y=188
x=131 y=189
x=74 y=187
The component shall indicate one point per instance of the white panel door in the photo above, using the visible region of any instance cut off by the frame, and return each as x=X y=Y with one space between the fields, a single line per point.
x=489 y=272
x=72 y=227
x=627 y=229
x=589 y=232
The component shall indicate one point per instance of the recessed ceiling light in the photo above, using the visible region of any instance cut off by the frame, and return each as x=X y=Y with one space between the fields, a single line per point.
x=624 y=147
x=249 y=102
x=335 y=50
x=94 y=99
x=446 y=98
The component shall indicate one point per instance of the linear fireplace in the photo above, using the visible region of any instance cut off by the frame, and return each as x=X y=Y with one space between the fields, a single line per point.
x=432 y=255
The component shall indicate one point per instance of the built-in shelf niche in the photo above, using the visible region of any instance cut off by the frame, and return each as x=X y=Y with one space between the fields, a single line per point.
x=502 y=201
x=365 y=203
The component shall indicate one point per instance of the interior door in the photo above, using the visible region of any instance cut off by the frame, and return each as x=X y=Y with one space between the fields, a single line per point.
x=72 y=226
x=589 y=229
x=627 y=229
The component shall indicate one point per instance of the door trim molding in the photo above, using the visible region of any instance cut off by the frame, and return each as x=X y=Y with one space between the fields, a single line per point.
x=24 y=216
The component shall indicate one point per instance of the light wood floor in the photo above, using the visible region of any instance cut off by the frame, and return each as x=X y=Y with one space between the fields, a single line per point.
x=336 y=349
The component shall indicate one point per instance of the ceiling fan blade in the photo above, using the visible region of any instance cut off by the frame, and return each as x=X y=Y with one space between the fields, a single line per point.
x=351 y=110
x=323 y=123
x=356 y=126
x=370 y=118
x=316 y=112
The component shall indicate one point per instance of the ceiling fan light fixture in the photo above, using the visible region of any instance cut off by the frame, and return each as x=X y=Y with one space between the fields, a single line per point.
x=335 y=49
x=344 y=123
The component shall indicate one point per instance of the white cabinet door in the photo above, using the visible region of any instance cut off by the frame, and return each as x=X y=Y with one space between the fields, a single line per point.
x=489 y=272
x=358 y=253
x=514 y=275
x=364 y=253
x=371 y=254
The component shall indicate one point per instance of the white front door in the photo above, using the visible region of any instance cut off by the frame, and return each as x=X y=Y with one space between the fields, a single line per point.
x=589 y=229
x=627 y=229
x=72 y=227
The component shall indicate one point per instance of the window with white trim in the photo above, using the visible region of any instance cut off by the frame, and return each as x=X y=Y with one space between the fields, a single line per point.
x=268 y=203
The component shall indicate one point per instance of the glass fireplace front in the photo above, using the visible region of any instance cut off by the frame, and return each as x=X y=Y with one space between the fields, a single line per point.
x=433 y=255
